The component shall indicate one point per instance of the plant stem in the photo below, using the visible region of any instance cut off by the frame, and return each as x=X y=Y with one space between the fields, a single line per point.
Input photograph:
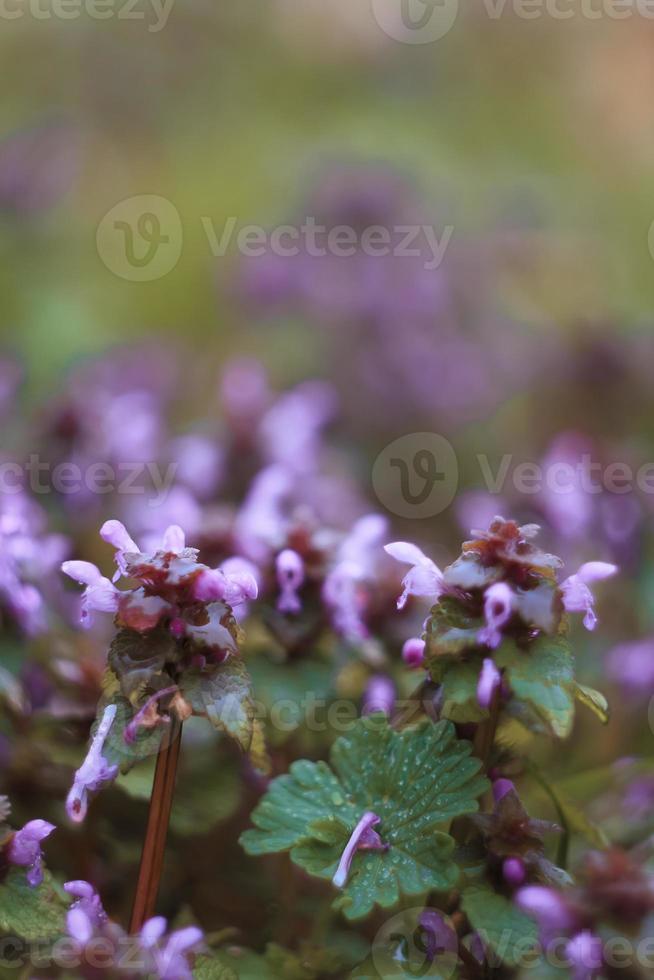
x=154 y=846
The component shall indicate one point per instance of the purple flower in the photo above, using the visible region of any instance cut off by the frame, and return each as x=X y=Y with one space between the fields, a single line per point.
x=631 y=665
x=169 y=954
x=501 y=787
x=86 y=915
x=346 y=587
x=440 y=936
x=148 y=716
x=547 y=906
x=290 y=576
x=94 y=771
x=514 y=871
x=489 y=681
x=234 y=582
x=161 y=957
x=577 y=596
x=363 y=838
x=100 y=594
x=290 y=430
x=24 y=849
x=585 y=955
x=424 y=579
x=413 y=652
x=498 y=609
x=199 y=464
x=379 y=695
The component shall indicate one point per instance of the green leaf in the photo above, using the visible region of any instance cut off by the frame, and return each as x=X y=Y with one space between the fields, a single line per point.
x=223 y=694
x=11 y=692
x=459 y=691
x=416 y=781
x=116 y=750
x=34 y=914
x=542 y=675
x=450 y=631
x=594 y=700
x=135 y=657
x=507 y=931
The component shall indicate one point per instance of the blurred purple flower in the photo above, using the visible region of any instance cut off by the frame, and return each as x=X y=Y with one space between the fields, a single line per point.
x=290 y=576
x=584 y=953
x=489 y=682
x=379 y=695
x=577 y=596
x=631 y=666
x=413 y=652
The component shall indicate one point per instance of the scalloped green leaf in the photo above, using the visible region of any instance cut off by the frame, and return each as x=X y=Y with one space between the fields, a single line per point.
x=33 y=914
x=223 y=694
x=508 y=932
x=416 y=781
x=543 y=675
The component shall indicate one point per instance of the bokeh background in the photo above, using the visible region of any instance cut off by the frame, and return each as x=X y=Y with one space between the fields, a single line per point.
x=531 y=138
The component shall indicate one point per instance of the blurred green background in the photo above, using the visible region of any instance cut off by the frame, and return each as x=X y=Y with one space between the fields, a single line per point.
x=534 y=134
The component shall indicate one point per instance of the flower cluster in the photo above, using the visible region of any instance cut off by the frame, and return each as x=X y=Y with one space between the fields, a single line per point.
x=152 y=953
x=503 y=587
x=175 y=589
x=614 y=891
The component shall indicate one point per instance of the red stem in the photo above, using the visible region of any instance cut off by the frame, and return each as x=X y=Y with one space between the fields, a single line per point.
x=154 y=846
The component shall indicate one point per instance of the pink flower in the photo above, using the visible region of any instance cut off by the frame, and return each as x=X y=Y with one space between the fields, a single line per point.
x=170 y=956
x=100 y=594
x=424 y=578
x=363 y=838
x=577 y=596
x=413 y=652
x=24 y=849
x=546 y=906
x=379 y=695
x=585 y=955
x=514 y=871
x=489 y=681
x=233 y=583
x=498 y=609
x=94 y=771
x=116 y=534
x=290 y=576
